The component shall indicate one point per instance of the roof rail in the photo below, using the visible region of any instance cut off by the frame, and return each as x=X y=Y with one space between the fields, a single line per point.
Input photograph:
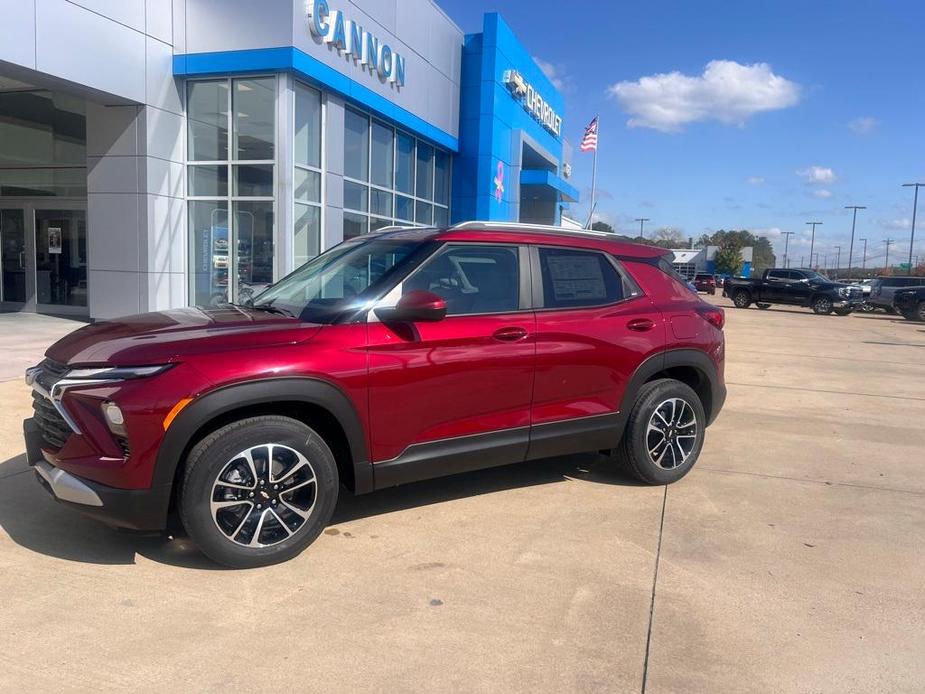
x=529 y=227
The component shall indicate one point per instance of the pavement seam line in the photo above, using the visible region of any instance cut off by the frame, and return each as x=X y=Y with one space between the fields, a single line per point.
x=658 y=555
x=827 y=483
x=822 y=390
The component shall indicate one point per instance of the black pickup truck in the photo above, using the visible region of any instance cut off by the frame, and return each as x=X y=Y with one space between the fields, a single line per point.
x=797 y=288
x=910 y=303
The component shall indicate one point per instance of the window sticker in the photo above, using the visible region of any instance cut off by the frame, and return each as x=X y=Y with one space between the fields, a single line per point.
x=576 y=277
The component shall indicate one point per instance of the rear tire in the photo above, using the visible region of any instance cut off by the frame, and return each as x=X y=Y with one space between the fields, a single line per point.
x=842 y=311
x=742 y=299
x=763 y=307
x=917 y=314
x=890 y=311
x=822 y=305
x=258 y=491
x=664 y=434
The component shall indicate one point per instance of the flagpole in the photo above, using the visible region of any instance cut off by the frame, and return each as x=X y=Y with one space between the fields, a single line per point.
x=594 y=172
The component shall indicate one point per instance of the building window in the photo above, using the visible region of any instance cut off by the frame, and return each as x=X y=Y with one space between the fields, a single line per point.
x=307 y=174
x=390 y=177
x=231 y=178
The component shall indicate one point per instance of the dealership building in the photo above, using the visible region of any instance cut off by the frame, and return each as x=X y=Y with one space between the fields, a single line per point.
x=165 y=153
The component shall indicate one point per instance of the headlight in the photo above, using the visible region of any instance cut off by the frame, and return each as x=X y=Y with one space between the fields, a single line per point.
x=114 y=373
x=844 y=291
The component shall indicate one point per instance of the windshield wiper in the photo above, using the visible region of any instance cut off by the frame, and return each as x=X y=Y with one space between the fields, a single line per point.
x=270 y=308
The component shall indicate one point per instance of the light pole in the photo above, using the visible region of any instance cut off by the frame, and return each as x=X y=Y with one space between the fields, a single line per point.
x=854 y=220
x=886 y=262
x=814 y=263
x=864 y=259
x=837 y=261
x=786 y=235
x=915 y=204
x=812 y=239
x=642 y=221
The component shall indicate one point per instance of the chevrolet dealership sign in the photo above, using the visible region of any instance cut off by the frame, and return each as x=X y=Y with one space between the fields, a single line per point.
x=532 y=102
x=351 y=39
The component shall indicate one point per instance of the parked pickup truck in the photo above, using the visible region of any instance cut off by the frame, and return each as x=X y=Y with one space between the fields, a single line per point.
x=797 y=288
x=910 y=303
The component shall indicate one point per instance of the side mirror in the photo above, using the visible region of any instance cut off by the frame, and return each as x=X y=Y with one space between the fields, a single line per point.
x=413 y=307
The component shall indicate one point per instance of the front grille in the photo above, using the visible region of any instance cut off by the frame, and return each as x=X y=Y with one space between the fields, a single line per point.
x=50 y=373
x=51 y=424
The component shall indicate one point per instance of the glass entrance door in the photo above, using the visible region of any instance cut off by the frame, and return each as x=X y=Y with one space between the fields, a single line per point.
x=13 y=255
x=61 y=261
x=43 y=258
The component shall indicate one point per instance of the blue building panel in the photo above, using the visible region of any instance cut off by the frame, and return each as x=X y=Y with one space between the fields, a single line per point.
x=496 y=129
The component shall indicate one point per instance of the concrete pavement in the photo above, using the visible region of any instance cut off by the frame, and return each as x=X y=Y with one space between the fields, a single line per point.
x=789 y=560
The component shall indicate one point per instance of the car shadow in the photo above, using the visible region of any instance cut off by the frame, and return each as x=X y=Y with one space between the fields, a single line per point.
x=34 y=520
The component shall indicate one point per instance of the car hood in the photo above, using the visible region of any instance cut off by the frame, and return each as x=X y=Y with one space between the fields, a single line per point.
x=164 y=336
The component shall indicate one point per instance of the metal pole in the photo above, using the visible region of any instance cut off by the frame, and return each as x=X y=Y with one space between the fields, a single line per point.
x=864 y=259
x=801 y=260
x=812 y=240
x=837 y=260
x=594 y=172
x=854 y=220
x=915 y=204
x=642 y=221
x=886 y=262
x=786 y=235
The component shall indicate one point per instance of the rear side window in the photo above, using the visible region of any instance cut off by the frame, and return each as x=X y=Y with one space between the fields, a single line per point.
x=578 y=279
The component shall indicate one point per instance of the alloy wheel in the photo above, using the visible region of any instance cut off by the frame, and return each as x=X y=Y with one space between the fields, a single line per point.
x=671 y=435
x=263 y=495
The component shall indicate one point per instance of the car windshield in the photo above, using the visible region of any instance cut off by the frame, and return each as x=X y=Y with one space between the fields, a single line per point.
x=344 y=279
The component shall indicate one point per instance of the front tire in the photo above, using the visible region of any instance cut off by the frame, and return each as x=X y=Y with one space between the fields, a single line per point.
x=258 y=491
x=822 y=305
x=842 y=311
x=741 y=299
x=664 y=434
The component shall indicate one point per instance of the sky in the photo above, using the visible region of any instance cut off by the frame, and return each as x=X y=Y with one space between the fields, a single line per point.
x=744 y=115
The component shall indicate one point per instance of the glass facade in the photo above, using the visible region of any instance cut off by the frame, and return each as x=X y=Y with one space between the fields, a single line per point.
x=234 y=185
x=43 y=145
x=391 y=177
x=231 y=183
x=307 y=174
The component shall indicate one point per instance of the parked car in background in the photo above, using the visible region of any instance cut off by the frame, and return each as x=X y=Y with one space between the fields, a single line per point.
x=795 y=287
x=910 y=303
x=397 y=356
x=882 y=290
x=705 y=282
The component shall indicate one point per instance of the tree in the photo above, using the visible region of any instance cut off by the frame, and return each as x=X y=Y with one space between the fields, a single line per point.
x=728 y=258
x=763 y=252
x=602 y=226
x=669 y=238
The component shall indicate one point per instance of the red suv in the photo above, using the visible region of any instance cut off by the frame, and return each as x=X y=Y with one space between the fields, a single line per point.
x=397 y=356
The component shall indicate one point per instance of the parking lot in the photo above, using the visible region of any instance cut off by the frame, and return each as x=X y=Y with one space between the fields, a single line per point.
x=790 y=560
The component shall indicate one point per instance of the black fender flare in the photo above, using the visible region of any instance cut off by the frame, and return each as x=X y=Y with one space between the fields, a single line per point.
x=311 y=391
x=672 y=359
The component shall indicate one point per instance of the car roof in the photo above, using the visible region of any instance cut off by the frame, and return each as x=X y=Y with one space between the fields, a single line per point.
x=512 y=232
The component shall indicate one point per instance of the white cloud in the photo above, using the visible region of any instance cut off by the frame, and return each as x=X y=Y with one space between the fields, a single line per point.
x=755 y=180
x=903 y=224
x=818 y=174
x=862 y=125
x=555 y=73
x=822 y=194
x=727 y=91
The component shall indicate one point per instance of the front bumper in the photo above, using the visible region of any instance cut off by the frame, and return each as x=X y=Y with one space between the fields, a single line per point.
x=133 y=509
x=848 y=303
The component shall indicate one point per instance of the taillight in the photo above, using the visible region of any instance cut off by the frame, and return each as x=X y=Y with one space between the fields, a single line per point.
x=714 y=316
x=711 y=282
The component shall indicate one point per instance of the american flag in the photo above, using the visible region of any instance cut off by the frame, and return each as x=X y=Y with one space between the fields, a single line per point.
x=589 y=141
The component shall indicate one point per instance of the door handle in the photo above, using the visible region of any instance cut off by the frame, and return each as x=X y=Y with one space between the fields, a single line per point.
x=640 y=325
x=509 y=334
